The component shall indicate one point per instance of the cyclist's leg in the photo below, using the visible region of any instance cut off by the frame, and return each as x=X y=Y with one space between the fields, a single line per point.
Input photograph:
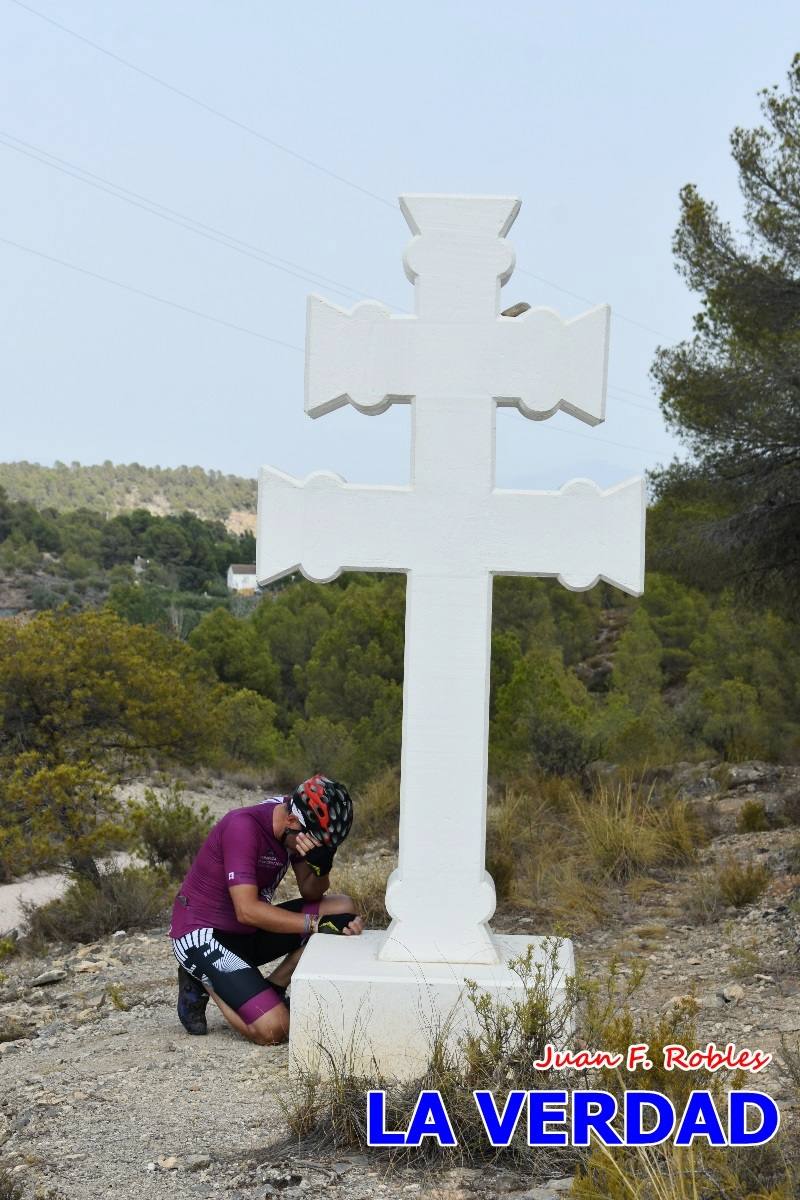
x=265 y=1029
x=238 y=988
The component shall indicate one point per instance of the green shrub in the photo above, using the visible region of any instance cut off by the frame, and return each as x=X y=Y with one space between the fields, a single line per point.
x=752 y=818
x=741 y=883
x=131 y=898
x=169 y=831
x=8 y=948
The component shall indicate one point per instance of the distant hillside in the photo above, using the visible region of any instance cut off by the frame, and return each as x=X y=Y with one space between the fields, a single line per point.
x=111 y=489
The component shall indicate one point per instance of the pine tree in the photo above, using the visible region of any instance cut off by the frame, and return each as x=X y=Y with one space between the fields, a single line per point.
x=731 y=514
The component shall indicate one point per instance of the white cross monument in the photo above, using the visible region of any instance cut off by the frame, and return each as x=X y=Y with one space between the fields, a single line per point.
x=450 y=530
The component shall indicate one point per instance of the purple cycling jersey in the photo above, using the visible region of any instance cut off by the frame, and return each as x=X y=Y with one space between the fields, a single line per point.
x=241 y=848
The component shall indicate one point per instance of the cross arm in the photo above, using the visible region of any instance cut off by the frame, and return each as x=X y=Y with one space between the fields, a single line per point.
x=579 y=534
x=538 y=362
x=323 y=526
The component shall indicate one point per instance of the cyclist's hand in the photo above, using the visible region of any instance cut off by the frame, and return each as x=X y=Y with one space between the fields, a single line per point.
x=304 y=843
x=320 y=860
x=338 y=923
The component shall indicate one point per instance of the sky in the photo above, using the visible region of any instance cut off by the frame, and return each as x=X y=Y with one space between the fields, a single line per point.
x=202 y=167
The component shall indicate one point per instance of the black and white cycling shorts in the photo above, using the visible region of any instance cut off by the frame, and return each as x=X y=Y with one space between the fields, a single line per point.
x=228 y=963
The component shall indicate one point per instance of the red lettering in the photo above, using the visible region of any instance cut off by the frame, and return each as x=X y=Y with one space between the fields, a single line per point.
x=675 y=1056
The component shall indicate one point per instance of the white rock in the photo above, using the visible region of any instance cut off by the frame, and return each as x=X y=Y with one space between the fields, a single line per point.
x=54 y=976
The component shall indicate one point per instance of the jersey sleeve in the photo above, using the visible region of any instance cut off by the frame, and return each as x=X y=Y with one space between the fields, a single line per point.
x=240 y=851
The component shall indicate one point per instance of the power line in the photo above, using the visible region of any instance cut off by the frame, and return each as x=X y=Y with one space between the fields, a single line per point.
x=127 y=287
x=146 y=204
x=592 y=438
x=588 y=300
x=194 y=312
x=241 y=125
x=628 y=392
x=231 y=324
x=654 y=412
x=209 y=108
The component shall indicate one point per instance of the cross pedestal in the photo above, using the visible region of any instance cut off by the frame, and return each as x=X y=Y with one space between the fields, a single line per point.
x=450 y=530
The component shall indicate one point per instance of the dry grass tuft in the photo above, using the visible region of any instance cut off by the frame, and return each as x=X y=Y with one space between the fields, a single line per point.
x=562 y=853
x=377 y=809
x=366 y=884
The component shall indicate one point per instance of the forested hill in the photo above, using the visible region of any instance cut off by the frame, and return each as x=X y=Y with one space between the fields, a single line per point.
x=110 y=489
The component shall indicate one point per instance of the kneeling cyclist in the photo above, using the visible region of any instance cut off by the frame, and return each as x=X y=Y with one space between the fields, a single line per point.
x=224 y=924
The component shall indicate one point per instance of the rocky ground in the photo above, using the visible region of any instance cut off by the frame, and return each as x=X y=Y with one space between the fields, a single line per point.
x=102 y=1094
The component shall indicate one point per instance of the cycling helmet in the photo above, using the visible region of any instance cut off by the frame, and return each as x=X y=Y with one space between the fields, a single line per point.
x=324 y=808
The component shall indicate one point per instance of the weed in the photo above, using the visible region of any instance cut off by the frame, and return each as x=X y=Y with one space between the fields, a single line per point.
x=746 y=961
x=12 y=1030
x=8 y=948
x=741 y=883
x=114 y=993
x=131 y=898
x=791 y=1056
x=752 y=818
x=500 y=1051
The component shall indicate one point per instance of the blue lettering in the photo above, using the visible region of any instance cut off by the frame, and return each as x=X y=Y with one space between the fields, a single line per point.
x=635 y=1133
x=377 y=1135
x=700 y=1119
x=540 y=1114
x=430 y=1119
x=594 y=1110
x=738 y=1133
x=499 y=1129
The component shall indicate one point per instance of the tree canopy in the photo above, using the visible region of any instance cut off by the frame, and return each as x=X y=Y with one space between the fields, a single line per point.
x=731 y=514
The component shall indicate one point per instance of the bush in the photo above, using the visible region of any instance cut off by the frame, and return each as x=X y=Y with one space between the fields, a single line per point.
x=129 y=898
x=752 y=818
x=733 y=883
x=8 y=948
x=169 y=831
x=741 y=883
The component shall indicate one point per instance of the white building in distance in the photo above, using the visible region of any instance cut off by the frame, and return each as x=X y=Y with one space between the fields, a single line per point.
x=242 y=578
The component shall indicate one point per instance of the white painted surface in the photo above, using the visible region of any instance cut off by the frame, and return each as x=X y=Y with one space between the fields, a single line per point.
x=456 y=360
x=238 y=582
x=368 y=1010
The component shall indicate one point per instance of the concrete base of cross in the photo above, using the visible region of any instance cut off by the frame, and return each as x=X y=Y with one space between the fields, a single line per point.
x=375 y=1017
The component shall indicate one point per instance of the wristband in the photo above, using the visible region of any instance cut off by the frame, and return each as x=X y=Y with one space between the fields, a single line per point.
x=310 y=925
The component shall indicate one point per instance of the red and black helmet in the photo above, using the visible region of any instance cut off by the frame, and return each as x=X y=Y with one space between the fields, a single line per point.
x=325 y=809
